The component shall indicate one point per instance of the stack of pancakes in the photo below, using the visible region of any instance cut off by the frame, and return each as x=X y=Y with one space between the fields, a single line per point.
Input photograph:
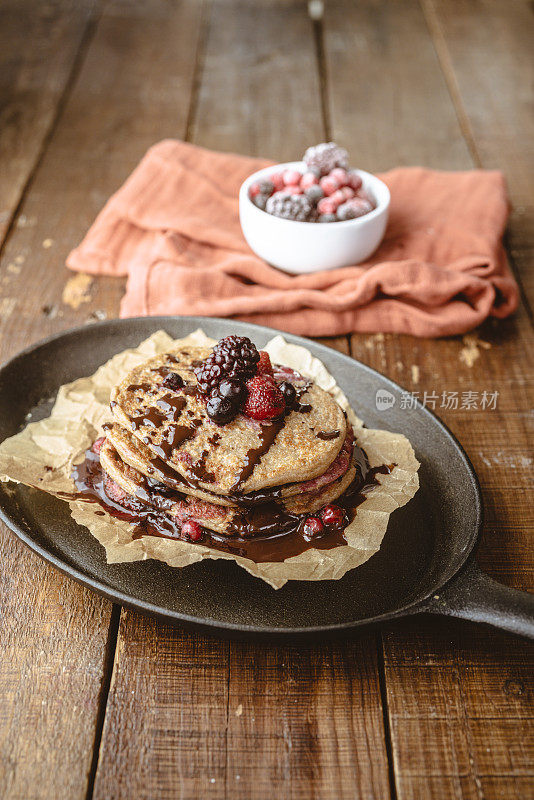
x=165 y=451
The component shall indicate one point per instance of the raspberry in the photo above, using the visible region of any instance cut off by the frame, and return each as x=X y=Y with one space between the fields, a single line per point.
x=294 y=188
x=277 y=179
x=308 y=179
x=291 y=176
x=282 y=204
x=232 y=357
x=191 y=531
x=264 y=187
x=354 y=180
x=326 y=206
x=265 y=400
x=97 y=444
x=338 y=197
x=313 y=527
x=254 y=190
x=264 y=364
x=340 y=175
x=353 y=208
x=347 y=193
x=333 y=516
x=326 y=157
x=329 y=185
x=117 y=494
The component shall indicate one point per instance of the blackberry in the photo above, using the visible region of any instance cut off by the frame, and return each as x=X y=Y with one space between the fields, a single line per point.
x=314 y=193
x=295 y=207
x=260 y=201
x=326 y=156
x=327 y=218
x=233 y=357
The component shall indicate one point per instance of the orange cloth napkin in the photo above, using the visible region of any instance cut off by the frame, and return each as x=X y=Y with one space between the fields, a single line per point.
x=173 y=228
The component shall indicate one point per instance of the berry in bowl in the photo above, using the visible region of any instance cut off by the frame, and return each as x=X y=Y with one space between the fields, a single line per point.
x=314 y=214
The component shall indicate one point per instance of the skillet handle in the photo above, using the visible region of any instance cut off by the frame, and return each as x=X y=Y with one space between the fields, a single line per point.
x=475 y=596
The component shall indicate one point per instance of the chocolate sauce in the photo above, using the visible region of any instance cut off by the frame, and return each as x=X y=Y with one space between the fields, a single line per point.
x=266 y=533
x=302 y=408
x=172 y=438
x=327 y=436
x=268 y=434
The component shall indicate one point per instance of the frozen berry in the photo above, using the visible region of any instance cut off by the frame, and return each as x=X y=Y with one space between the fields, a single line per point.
x=294 y=188
x=260 y=201
x=254 y=190
x=222 y=410
x=338 y=197
x=191 y=530
x=173 y=381
x=277 y=179
x=333 y=516
x=291 y=176
x=297 y=207
x=289 y=392
x=232 y=357
x=327 y=218
x=97 y=444
x=363 y=195
x=313 y=527
x=340 y=175
x=347 y=193
x=326 y=157
x=354 y=180
x=264 y=364
x=326 y=206
x=265 y=400
x=329 y=185
x=308 y=179
x=314 y=193
x=353 y=208
x=232 y=389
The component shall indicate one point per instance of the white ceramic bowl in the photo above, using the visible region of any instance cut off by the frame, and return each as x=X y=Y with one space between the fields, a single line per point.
x=307 y=246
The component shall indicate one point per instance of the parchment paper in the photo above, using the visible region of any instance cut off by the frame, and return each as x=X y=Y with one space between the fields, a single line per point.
x=43 y=454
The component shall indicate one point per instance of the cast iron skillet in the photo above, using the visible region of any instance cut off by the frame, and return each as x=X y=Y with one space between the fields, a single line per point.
x=425 y=564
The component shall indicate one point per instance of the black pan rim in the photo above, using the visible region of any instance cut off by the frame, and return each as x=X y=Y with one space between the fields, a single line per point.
x=416 y=605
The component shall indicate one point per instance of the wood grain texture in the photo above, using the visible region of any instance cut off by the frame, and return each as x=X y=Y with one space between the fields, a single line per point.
x=267 y=721
x=133 y=88
x=490 y=73
x=459 y=728
x=39 y=46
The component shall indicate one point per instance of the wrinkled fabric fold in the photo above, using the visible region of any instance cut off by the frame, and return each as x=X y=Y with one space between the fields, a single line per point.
x=173 y=229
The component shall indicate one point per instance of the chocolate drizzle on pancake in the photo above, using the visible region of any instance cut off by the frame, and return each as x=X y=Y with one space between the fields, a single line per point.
x=267 y=435
x=268 y=532
x=327 y=436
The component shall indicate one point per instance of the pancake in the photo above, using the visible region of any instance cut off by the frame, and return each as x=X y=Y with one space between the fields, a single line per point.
x=137 y=455
x=240 y=457
x=224 y=520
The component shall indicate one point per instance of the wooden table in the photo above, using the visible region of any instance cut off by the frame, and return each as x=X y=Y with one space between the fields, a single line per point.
x=97 y=701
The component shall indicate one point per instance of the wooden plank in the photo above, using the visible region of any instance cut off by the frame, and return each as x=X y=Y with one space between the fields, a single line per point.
x=490 y=71
x=246 y=721
x=134 y=87
x=447 y=738
x=39 y=47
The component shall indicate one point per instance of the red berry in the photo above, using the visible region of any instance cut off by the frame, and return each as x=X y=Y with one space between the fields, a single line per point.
x=313 y=527
x=333 y=516
x=191 y=530
x=337 y=198
x=97 y=444
x=326 y=206
x=340 y=176
x=329 y=185
x=347 y=193
x=254 y=190
x=294 y=188
x=354 y=180
x=265 y=400
x=308 y=179
x=264 y=364
x=291 y=176
x=278 y=180
x=113 y=490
